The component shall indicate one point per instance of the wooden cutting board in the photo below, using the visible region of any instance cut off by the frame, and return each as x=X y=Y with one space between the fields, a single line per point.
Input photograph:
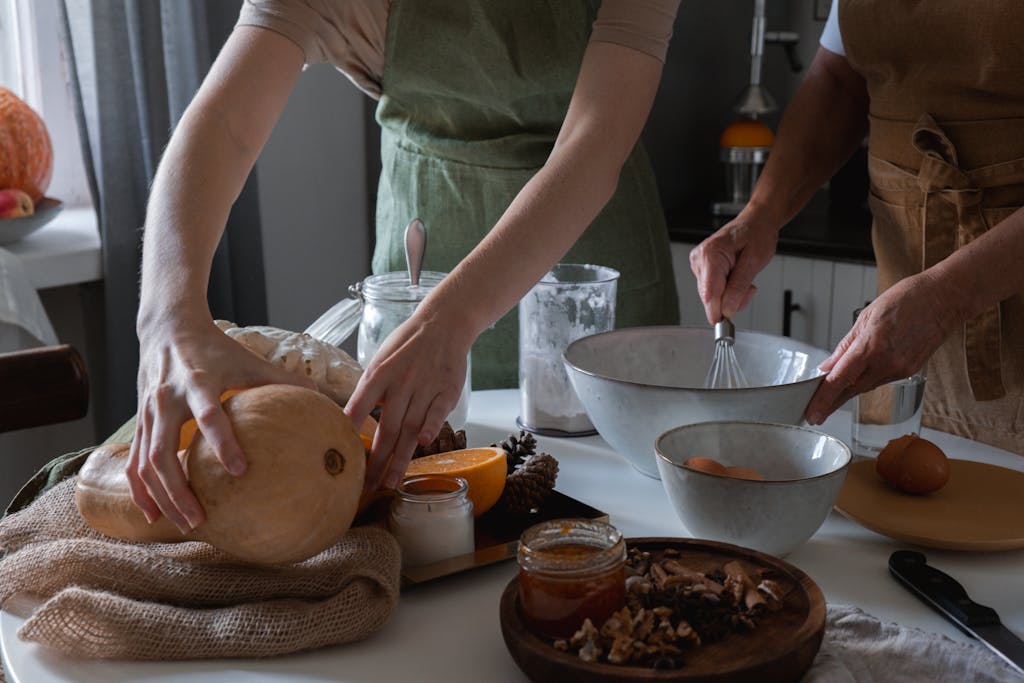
x=780 y=649
x=980 y=508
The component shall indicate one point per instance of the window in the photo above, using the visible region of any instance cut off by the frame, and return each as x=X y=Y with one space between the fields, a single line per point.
x=8 y=47
x=33 y=64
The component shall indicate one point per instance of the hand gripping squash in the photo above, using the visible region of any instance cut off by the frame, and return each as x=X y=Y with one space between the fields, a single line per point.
x=297 y=498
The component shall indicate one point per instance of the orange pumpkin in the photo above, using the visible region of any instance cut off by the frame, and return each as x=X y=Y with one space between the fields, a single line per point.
x=26 y=153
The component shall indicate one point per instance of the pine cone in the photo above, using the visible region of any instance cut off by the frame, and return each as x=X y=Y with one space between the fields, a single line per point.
x=447 y=440
x=518 y=449
x=531 y=482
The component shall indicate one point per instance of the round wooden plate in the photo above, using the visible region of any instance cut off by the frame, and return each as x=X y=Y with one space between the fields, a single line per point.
x=978 y=509
x=781 y=647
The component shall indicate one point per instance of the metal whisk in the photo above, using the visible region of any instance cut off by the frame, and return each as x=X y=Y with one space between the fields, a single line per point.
x=725 y=371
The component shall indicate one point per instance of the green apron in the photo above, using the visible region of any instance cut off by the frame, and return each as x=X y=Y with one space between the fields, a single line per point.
x=474 y=94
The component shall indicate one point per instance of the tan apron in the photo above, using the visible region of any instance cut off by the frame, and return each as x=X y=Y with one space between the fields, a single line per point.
x=946 y=160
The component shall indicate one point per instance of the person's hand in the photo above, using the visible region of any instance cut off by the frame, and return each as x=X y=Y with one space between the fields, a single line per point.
x=416 y=377
x=183 y=370
x=892 y=338
x=727 y=262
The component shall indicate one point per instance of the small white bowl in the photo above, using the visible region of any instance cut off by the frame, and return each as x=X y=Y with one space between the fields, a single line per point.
x=803 y=471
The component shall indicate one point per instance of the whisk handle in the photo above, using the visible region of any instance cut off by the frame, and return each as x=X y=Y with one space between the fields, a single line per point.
x=725 y=330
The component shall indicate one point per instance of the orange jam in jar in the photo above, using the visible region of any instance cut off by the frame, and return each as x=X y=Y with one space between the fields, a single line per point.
x=570 y=570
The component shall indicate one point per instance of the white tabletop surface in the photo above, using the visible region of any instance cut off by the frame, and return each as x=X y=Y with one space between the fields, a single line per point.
x=449 y=630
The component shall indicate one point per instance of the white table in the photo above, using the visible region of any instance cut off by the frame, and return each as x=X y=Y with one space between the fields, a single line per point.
x=449 y=630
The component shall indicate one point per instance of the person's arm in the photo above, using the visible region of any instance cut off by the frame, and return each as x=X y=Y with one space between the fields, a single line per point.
x=898 y=332
x=820 y=128
x=185 y=361
x=419 y=371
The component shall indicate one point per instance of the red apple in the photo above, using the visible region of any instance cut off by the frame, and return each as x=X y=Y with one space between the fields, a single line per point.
x=15 y=204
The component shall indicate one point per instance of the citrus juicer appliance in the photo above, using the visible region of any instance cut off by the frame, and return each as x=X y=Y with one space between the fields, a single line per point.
x=746 y=142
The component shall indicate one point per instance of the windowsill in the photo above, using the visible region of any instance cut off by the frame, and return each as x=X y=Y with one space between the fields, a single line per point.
x=64 y=252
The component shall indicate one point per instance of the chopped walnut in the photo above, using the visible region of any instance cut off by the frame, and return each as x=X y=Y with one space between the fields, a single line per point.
x=773 y=592
x=621 y=650
x=590 y=651
x=586 y=632
x=686 y=633
x=671 y=607
x=638 y=584
x=742 y=587
x=586 y=639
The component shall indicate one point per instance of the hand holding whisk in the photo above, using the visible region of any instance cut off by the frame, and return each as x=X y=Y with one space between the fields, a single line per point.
x=725 y=371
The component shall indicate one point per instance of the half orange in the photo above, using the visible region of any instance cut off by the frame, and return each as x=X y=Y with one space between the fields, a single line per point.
x=747 y=133
x=189 y=429
x=366 y=431
x=484 y=469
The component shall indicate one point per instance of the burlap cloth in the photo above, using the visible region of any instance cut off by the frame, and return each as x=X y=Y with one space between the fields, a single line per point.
x=109 y=599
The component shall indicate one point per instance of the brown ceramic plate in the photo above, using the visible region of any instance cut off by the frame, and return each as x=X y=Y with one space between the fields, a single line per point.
x=497 y=537
x=978 y=509
x=781 y=648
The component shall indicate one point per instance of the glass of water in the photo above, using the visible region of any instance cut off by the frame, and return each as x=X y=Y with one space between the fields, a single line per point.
x=887 y=412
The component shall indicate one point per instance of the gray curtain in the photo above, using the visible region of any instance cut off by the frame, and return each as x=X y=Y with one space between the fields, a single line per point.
x=134 y=67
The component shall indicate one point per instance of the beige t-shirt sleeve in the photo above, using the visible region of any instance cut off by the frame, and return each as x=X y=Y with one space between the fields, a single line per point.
x=346 y=33
x=350 y=34
x=644 y=25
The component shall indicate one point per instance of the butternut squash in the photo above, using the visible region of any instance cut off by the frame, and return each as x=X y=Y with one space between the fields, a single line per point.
x=299 y=495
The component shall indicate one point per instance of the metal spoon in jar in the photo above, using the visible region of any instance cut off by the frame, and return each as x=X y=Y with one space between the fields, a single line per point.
x=415 y=246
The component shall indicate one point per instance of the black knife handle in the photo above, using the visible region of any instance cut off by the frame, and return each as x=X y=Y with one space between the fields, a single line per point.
x=940 y=589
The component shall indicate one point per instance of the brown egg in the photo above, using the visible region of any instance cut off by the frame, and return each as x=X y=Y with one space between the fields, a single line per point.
x=887 y=461
x=913 y=465
x=743 y=473
x=705 y=465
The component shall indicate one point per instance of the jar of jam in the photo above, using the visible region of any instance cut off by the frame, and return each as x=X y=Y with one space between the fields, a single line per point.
x=570 y=570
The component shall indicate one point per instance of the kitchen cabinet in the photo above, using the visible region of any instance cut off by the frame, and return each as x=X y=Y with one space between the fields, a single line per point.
x=809 y=299
x=854 y=285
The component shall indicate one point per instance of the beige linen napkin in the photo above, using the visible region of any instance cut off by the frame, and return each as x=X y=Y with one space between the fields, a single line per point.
x=858 y=648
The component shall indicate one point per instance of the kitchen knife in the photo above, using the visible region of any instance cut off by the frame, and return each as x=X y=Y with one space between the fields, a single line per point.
x=946 y=596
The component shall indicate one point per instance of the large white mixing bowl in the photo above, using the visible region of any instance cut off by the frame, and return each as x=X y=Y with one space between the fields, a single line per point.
x=636 y=383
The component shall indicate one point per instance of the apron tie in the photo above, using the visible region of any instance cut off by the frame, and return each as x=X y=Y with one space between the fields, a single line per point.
x=952 y=197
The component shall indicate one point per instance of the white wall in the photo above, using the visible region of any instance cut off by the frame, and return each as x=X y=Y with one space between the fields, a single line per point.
x=313 y=199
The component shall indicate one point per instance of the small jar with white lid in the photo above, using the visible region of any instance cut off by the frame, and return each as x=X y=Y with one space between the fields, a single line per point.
x=432 y=519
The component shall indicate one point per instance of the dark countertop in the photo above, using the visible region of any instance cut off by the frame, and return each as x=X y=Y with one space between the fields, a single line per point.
x=821 y=230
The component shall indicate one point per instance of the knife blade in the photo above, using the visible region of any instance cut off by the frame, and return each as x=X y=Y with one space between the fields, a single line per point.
x=946 y=596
